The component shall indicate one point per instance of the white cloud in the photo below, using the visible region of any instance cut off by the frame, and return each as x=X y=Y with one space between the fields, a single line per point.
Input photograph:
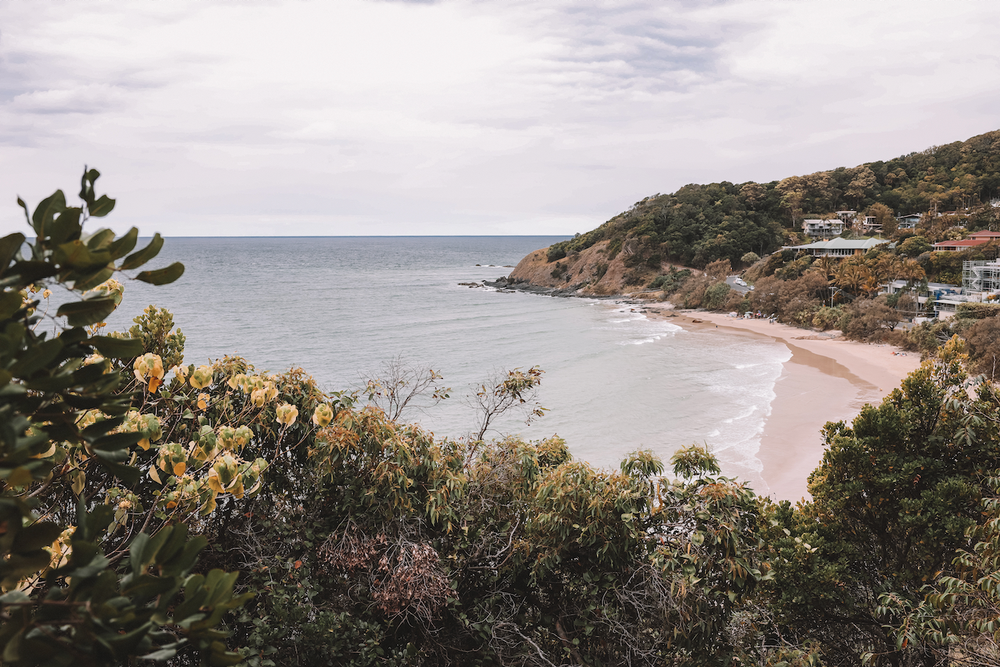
x=467 y=117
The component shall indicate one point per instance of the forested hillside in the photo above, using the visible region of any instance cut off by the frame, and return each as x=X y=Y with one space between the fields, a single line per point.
x=700 y=224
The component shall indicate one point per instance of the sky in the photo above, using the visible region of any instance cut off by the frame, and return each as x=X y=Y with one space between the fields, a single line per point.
x=301 y=118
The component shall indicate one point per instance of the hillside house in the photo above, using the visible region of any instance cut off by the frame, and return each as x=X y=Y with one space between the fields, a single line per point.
x=974 y=239
x=822 y=229
x=838 y=247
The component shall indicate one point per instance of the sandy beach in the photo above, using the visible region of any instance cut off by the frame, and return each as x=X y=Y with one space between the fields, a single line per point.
x=826 y=379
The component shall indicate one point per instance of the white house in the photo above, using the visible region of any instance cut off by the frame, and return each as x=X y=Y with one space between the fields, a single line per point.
x=822 y=229
x=839 y=247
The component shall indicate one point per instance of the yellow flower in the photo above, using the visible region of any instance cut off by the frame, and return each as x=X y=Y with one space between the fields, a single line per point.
x=46 y=294
x=242 y=437
x=202 y=401
x=270 y=391
x=109 y=287
x=202 y=377
x=257 y=397
x=323 y=415
x=149 y=366
x=180 y=372
x=149 y=427
x=287 y=414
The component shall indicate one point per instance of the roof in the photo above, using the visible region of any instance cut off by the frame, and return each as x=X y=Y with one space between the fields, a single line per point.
x=842 y=244
x=964 y=243
x=984 y=234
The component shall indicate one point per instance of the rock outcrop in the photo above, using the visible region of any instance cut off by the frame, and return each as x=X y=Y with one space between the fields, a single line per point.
x=590 y=272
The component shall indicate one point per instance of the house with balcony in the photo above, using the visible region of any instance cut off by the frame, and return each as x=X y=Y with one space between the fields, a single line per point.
x=818 y=228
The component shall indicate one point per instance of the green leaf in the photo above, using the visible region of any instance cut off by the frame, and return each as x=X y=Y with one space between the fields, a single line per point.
x=20 y=202
x=124 y=244
x=87 y=184
x=117 y=348
x=115 y=441
x=162 y=276
x=10 y=303
x=161 y=655
x=86 y=312
x=140 y=257
x=36 y=357
x=36 y=536
x=100 y=239
x=125 y=473
x=14 y=597
x=101 y=207
x=46 y=211
x=9 y=246
x=86 y=282
x=66 y=226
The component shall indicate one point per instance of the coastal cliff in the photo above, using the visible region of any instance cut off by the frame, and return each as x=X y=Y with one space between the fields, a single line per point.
x=592 y=271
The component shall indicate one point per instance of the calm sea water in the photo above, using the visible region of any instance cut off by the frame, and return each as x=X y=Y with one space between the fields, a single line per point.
x=340 y=307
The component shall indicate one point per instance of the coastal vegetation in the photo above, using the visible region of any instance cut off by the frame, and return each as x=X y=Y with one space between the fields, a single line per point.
x=952 y=185
x=157 y=511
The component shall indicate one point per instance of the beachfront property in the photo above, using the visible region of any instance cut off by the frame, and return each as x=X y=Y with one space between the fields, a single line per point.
x=980 y=282
x=981 y=276
x=838 y=247
x=818 y=228
x=943 y=297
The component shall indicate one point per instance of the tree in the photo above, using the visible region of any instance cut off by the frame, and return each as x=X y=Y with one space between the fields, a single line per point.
x=399 y=384
x=983 y=338
x=750 y=258
x=884 y=218
x=502 y=393
x=892 y=500
x=64 y=424
x=864 y=180
x=954 y=619
x=915 y=246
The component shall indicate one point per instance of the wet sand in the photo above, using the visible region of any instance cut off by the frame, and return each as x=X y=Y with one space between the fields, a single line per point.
x=826 y=379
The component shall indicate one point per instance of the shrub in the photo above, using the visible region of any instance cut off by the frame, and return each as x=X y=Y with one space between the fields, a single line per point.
x=977 y=311
x=716 y=296
x=827 y=318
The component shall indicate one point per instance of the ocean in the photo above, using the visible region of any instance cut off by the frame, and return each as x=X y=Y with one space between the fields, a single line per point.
x=342 y=307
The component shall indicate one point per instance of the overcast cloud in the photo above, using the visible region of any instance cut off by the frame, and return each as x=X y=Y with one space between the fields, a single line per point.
x=367 y=117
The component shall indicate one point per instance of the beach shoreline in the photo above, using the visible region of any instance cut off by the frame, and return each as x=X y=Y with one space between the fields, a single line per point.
x=826 y=379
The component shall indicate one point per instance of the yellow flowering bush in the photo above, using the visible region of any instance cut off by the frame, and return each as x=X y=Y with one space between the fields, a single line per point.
x=323 y=415
x=286 y=414
x=149 y=366
x=202 y=377
x=180 y=372
x=145 y=424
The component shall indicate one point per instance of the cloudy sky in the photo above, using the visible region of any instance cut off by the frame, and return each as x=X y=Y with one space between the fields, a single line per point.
x=467 y=117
